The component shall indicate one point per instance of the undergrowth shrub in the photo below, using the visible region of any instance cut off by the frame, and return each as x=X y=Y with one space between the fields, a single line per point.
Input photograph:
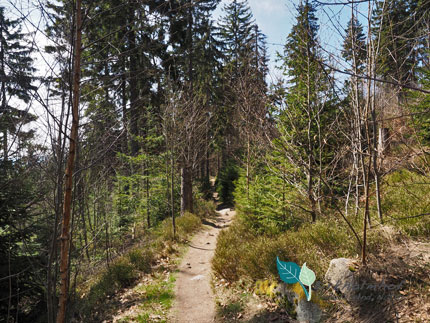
x=120 y=274
x=205 y=188
x=226 y=260
x=185 y=224
x=142 y=259
x=406 y=202
x=204 y=208
x=254 y=255
x=265 y=205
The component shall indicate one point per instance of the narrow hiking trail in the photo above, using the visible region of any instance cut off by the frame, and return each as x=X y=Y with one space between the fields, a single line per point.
x=194 y=300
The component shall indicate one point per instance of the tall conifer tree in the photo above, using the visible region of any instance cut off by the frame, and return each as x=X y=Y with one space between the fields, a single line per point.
x=16 y=69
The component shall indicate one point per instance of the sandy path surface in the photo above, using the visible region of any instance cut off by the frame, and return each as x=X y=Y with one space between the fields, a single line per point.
x=194 y=300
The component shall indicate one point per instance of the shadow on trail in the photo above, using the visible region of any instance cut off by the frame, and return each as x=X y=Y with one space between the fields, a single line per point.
x=223 y=206
x=211 y=224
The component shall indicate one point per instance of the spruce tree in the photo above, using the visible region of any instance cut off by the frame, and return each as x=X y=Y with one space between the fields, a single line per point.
x=235 y=33
x=395 y=23
x=304 y=124
x=190 y=35
x=16 y=69
x=354 y=44
x=243 y=47
x=19 y=249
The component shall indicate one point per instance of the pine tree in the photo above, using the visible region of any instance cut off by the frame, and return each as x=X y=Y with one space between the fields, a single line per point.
x=245 y=61
x=16 y=69
x=235 y=33
x=354 y=44
x=17 y=189
x=304 y=124
x=396 y=25
x=189 y=29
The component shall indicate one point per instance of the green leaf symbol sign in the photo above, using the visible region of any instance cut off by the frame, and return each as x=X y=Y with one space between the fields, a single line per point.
x=307 y=277
x=291 y=273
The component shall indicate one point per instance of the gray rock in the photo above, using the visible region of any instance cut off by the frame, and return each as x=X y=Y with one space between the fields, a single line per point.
x=341 y=278
x=306 y=311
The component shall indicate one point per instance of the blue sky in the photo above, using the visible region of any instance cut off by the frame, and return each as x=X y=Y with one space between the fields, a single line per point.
x=276 y=17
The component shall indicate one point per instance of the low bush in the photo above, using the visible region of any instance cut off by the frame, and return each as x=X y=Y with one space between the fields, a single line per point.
x=204 y=208
x=185 y=224
x=142 y=259
x=406 y=202
x=253 y=256
x=120 y=274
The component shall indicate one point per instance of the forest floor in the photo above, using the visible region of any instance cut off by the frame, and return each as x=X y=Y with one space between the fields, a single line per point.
x=194 y=301
x=185 y=291
x=403 y=264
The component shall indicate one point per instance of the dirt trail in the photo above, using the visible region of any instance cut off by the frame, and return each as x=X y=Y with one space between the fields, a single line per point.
x=194 y=298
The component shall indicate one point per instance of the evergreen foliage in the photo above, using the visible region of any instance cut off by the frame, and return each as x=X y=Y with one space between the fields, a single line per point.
x=170 y=101
x=16 y=69
x=304 y=124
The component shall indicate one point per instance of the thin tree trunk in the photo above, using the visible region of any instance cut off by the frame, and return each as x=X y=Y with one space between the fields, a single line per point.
x=124 y=106
x=207 y=163
x=107 y=244
x=9 y=304
x=134 y=92
x=247 y=170
x=366 y=214
x=172 y=192
x=356 y=129
x=148 y=215
x=81 y=202
x=3 y=98
x=374 y=54
x=310 y=140
x=367 y=173
x=186 y=190
x=65 y=234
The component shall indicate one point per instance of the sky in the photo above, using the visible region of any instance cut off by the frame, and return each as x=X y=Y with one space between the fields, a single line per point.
x=276 y=17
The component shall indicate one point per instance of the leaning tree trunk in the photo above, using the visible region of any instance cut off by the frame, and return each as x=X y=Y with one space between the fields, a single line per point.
x=65 y=234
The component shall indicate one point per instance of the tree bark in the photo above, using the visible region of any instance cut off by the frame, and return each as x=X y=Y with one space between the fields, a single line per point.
x=134 y=92
x=186 y=190
x=172 y=192
x=65 y=234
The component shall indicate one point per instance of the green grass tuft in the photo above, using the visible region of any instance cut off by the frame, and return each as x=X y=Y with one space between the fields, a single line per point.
x=142 y=259
x=405 y=197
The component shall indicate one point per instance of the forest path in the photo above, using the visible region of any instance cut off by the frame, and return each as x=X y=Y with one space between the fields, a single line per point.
x=194 y=300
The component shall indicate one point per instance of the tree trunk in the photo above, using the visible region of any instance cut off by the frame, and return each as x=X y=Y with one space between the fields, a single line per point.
x=65 y=234
x=124 y=106
x=186 y=190
x=172 y=192
x=247 y=169
x=134 y=92
x=3 y=99
x=148 y=213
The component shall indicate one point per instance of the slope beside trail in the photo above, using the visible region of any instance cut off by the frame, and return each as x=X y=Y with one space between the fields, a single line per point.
x=194 y=300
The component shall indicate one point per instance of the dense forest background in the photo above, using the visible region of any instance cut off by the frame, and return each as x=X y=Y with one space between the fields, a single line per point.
x=142 y=103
